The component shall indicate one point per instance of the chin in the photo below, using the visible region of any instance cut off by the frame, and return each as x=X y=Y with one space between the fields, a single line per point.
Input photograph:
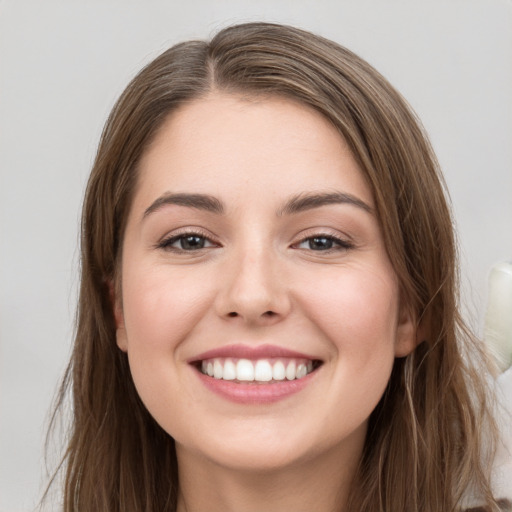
x=266 y=451
x=255 y=458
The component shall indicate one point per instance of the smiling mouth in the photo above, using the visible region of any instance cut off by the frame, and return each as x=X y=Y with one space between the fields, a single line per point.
x=260 y=371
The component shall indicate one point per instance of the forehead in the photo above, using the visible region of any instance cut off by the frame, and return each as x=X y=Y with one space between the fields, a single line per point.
x=229 y=145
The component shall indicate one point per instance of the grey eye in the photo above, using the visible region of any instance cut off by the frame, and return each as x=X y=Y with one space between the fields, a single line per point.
x=320 y=243
x=191 y=242
x=323 y=243
x=186 y=242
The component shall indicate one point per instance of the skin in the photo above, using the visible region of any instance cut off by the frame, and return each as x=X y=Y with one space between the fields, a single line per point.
x=258 y=280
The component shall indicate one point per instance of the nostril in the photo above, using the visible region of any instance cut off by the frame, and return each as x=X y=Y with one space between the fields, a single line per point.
x=266 y=314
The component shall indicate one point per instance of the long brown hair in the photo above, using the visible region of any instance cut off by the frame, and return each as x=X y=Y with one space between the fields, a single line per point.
x=423 y=448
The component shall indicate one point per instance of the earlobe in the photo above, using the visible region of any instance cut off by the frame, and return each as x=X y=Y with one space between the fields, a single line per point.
x=117 y=310
x=406 y=333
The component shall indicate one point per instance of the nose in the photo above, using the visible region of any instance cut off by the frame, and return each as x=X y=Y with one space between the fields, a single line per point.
x=253 y=290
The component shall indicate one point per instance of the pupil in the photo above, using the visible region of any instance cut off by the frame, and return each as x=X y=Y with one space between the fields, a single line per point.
x=320 y=243
x=192 y=242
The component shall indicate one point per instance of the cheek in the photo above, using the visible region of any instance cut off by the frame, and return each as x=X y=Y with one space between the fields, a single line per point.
x=156 y=299
x=356 y=313
x=160 y=311
x=353 y=311
x=160 y=307
x=358 y=308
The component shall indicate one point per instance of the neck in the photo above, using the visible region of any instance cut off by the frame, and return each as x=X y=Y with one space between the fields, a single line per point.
x=320 y=484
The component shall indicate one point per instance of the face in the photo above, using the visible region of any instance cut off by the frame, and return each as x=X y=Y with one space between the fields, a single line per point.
x=259 y=309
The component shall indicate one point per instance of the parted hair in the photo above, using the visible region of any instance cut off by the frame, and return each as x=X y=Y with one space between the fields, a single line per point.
x=424 y=448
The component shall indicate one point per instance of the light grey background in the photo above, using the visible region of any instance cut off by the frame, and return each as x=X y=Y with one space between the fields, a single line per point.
x=62 y=64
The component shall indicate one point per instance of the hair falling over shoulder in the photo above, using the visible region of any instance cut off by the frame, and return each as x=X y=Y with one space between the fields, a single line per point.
x=424 y=449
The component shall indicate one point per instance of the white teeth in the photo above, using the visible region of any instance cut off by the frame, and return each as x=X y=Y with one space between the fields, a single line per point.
x=244 y=370
x=302 y=371
x=217 y=369
x=229 y=370
x=262 y=370
x=278 y=371
x=290 y=371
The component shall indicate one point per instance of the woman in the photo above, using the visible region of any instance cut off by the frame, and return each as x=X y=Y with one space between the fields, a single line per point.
x=268 y=309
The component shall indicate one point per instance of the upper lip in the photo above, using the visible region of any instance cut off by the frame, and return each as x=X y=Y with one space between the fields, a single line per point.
x=251 y=352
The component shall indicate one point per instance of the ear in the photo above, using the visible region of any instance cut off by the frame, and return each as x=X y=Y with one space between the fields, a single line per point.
x=117 y=309
x=407 y=332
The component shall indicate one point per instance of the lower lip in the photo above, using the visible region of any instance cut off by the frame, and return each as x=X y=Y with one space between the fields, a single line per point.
x=255 y=393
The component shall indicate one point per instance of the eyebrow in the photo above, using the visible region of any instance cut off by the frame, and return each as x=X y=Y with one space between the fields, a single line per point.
x=198 y=201
x=308 y=201
x=299 y=203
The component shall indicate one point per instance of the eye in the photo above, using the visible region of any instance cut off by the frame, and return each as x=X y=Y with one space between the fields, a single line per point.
x=323 y=243
x=186 y=242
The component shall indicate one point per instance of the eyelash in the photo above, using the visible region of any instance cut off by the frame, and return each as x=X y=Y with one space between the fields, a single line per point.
x=167 y=243
x=339 y=244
